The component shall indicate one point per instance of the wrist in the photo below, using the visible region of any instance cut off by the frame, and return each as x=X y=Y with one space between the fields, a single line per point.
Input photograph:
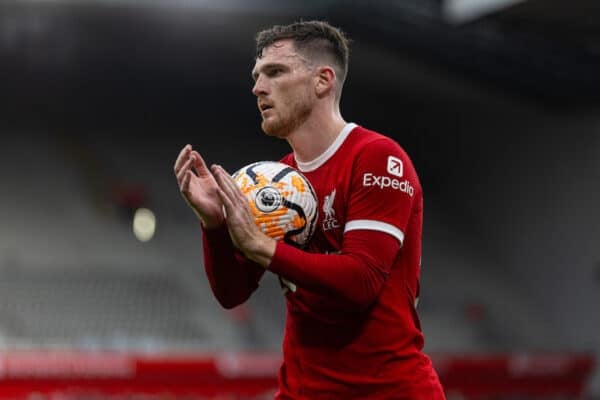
x=210 y=224
x=261 y=250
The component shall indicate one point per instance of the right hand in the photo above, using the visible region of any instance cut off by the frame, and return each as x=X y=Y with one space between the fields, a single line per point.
x=199 y=188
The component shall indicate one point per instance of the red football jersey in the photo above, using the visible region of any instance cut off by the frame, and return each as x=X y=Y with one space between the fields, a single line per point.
x=352 y=331
x=332 y=349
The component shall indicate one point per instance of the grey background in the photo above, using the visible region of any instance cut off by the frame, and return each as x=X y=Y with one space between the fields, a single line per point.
x=499 y=113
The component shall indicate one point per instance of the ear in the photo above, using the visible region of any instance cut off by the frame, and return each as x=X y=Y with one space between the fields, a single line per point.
x=325 y=80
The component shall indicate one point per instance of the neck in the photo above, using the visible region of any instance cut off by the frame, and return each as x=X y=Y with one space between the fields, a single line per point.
x=315 y=135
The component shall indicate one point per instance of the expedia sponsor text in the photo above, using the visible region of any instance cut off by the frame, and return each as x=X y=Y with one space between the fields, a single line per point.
x=385 y=181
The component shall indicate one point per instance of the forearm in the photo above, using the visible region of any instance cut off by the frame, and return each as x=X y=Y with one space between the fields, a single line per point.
x=232 y=278
x=356 y=275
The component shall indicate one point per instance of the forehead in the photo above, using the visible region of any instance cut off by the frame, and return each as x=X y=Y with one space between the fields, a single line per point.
x=281 y=52
x=282 y=47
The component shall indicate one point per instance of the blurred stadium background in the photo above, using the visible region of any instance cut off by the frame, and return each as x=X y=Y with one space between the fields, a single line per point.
x=497 y=102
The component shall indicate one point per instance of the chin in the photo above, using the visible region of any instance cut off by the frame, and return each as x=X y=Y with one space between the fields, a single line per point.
x=275 y=129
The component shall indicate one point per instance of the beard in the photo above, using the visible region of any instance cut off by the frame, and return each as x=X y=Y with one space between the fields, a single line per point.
x=287 y=118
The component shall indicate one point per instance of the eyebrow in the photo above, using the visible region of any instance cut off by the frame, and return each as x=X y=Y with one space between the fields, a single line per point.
x=267 y=66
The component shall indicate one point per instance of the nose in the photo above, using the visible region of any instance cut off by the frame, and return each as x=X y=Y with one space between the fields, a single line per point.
x=260 y=87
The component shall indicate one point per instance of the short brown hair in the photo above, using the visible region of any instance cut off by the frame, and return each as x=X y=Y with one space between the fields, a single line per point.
x=312 y=38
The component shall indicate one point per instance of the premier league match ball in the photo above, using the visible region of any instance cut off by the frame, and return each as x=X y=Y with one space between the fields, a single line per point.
x=282 y=200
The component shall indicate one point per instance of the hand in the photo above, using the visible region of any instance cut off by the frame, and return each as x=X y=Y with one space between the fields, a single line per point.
x=245 y=235
x=199 y=188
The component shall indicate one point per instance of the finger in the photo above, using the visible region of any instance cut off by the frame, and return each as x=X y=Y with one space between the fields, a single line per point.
x=227 y=184
x=219 y=175
x=216 y=167
x=183 y=155
x=227 y=203
x=184 y=169
x=198 y=163
x=184 y=186
x=224 y=177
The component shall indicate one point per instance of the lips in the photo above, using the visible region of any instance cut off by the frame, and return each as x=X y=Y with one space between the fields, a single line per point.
x=265 y=106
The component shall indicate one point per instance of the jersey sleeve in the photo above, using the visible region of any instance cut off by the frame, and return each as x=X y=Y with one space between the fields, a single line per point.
x=383 y=190
x=356 y=275
x=232 y=277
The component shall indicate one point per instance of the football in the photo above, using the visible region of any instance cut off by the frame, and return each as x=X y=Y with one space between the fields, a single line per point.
x=282 y=200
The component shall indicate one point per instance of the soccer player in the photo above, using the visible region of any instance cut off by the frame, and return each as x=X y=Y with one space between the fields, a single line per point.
x=352 y=330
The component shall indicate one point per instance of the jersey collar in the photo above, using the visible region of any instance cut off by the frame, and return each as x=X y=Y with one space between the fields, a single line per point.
x=326 y=155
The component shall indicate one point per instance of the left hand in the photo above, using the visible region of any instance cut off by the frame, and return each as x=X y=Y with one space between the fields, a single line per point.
x=245 y=235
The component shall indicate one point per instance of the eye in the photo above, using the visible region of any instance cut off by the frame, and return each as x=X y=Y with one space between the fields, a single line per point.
x=274 y=72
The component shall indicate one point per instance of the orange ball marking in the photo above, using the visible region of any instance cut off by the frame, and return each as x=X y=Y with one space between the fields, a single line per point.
x=298 y=222
x=298 y=184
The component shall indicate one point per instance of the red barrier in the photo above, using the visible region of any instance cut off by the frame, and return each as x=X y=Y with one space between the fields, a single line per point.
x=70 y=375
x=527 y=375
x=196 y=376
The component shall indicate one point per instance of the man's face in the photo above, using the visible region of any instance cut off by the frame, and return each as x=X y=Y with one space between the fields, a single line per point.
x=283 y=87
